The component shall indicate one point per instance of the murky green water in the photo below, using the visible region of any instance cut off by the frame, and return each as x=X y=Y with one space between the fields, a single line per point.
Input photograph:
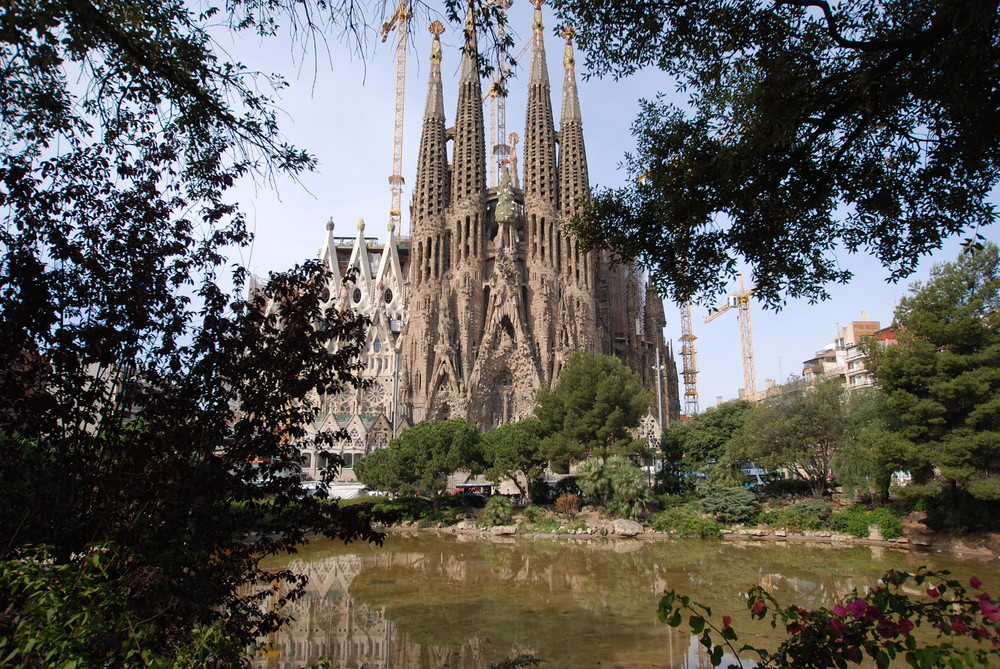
x=468 y=602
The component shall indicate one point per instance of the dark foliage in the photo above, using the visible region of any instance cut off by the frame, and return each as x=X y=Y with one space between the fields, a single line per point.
x=150 y=421
x=811 y=127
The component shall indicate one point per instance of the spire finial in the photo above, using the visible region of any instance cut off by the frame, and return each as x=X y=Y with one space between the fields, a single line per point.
x=391 y=227
x=436 y=29
x=470 y=22
x=361 y=224
x=538 y=26
x=329 y=224
x=568 y=59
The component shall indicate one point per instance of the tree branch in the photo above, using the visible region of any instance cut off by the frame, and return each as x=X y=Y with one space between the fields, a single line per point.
x=937 y=29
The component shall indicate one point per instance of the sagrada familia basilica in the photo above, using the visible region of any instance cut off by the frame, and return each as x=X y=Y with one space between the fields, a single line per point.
x=488 y=297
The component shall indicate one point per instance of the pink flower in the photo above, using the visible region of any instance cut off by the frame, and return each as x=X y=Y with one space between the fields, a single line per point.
x=989 y=611
x=858 y=607
x=854 y=655
x=975 y=582
x=838 y=625
x=905 y=625
x=958 y=625
x=933 y=592
x=839 y=611
x=758 y=608
x=795 y=628
x=726 y=622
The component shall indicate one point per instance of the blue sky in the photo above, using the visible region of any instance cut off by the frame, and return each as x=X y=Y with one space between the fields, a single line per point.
x=339 y=106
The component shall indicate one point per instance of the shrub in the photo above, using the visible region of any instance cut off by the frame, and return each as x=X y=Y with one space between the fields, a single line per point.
x=856 y=519
x=568 y=504
x=576 y=524
x=820 y=507
x=878 y=624
x=730 y=504
x=545 y=526
x=498 y=511
x=565 y=485
x=463 y=500
x=794 y=519
x=958 y=512
x=531 y=513
x=541 y=492
x=403 y=508
x=684 y=522
x=787 y=488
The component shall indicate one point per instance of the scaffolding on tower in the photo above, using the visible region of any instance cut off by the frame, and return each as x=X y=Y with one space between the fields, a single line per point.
x=400 y=20
x=497 y=96
x=689 y=360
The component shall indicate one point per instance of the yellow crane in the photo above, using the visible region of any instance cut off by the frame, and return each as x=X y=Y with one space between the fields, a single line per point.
x=400 y=20
x=689 y=361
x=497 y=95
x=741 y=301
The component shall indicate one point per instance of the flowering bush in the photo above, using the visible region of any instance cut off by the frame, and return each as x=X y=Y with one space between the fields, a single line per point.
x=879 y=625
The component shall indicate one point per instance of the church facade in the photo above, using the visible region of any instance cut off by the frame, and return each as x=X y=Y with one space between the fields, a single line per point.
x=489 y=297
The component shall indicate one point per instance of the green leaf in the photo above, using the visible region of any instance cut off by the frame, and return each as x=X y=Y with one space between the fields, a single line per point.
x=717 y=656
x=697 y=624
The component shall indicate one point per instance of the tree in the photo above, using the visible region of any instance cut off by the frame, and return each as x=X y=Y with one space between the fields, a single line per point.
x=872 y=448
x=810 y=128
x=139 y=401
x=512 y=452
x=422 y=458
x=696 y=444
x=616 y=484
x=800 y=431
x=943 y=377
x=172 y=482
x=593 y=409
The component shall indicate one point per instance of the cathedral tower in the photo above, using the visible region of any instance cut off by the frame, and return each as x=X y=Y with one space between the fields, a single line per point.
x=499 y=295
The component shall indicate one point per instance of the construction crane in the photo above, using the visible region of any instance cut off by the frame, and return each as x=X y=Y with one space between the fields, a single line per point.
x=400 y=20
x=741 y=301
x=497 y=95
x=689 y=360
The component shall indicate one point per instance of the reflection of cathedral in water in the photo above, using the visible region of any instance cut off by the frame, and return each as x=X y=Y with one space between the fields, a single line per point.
x=329 y=624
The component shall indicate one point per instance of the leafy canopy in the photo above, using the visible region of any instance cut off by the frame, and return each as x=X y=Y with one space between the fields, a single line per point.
x=943 y=377
x=513 y=453
x=422 y=458
x=872 y=448
x=800 y=431
x=810 y=127
x=592 y=410
x=139 y=399
x=701 y=440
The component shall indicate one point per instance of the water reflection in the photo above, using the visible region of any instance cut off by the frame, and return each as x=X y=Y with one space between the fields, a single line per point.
x=464 y=602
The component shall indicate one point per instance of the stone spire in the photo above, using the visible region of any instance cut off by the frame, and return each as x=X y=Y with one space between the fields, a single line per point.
x=574 y=180
x=431 y=189
x=469 y=164
x=540 y=138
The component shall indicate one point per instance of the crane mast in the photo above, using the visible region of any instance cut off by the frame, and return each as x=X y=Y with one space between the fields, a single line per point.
x=400 y=20
x=741 y=301
x=689 y=360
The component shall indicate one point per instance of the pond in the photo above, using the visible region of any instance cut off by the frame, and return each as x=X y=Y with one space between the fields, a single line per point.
x=468 y=602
